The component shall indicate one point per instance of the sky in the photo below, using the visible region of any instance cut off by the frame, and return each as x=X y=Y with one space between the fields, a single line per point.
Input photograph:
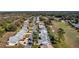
x=38 y=5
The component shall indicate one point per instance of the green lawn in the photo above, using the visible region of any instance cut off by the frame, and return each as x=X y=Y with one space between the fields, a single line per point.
x=54 y=38
x=71 y=35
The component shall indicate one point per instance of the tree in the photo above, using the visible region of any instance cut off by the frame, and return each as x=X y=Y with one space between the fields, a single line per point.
x=60 y=34
x=35 y=36
x=51 y=36
x=2 y=30
x=10 y=27
x=76 y=21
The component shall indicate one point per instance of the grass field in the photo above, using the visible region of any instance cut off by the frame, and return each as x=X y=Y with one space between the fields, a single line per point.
x=71 y=35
